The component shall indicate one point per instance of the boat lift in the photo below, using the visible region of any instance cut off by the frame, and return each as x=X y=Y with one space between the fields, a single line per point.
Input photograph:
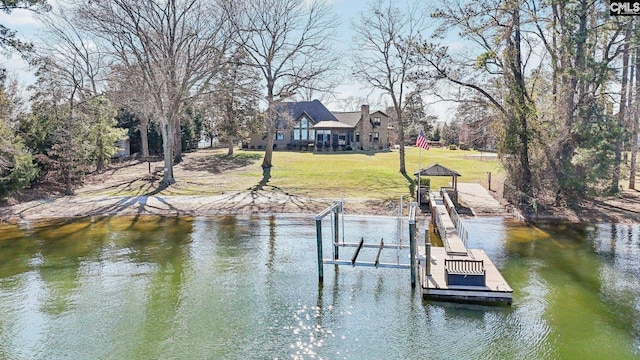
x=336 y=213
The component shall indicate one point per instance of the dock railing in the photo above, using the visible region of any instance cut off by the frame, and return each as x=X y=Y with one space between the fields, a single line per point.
x=455 y=217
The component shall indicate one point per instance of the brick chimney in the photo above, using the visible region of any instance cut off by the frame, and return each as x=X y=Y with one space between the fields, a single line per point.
x=365 y=125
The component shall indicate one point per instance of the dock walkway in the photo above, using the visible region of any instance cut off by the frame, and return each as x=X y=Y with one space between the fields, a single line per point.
x=446 y=228
x=453 y=272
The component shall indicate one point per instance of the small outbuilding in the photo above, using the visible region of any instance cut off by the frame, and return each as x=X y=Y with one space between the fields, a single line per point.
x=438 y=170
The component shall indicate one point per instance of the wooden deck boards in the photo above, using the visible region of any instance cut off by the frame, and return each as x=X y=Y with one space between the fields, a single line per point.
x=435 y=286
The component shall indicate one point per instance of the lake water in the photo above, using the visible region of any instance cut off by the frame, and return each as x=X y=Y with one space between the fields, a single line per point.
x=247 y=288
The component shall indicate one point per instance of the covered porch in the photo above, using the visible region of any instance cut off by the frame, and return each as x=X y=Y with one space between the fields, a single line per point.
x=333 y=135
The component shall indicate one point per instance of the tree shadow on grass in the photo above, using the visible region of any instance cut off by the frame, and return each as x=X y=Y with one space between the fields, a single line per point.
x=161 y=187
x=412 y=183
x=218 y=163
x=263 y=198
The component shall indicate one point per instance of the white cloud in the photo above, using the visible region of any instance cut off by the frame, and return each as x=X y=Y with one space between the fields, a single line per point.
x=18 y=69
x=19 y=18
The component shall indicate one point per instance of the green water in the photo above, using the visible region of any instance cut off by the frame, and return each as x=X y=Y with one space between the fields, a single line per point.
x=246 y=288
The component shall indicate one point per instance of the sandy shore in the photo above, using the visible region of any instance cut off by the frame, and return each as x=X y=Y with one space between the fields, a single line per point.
x=620 y=210
x=247 y=202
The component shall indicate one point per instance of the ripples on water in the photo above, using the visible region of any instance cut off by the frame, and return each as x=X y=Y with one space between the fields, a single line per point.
x=246 y=287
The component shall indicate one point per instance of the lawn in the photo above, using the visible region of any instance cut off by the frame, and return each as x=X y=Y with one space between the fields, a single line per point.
x=315 y=175
x=374 y=176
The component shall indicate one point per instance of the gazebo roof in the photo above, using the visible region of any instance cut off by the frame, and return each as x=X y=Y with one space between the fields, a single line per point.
x=436 y=170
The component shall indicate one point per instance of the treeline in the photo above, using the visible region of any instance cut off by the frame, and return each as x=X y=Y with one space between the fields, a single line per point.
x=556 y=82
x=561 y=77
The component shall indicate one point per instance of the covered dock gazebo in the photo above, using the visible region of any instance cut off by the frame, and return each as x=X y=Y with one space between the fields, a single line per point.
x=438 y=170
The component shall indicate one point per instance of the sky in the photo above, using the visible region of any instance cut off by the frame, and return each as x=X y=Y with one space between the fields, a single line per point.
x=28 y=27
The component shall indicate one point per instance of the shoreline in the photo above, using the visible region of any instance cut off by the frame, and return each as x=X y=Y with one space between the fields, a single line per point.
x=265 y=203
x=238 y=203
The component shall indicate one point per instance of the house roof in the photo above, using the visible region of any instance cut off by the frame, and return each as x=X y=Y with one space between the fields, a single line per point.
x=332 y=125
x=291 y=111
x=381 y=112
x=436 y=170
x=352 y=118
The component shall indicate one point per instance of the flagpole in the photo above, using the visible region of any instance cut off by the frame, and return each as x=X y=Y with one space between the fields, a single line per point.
x=421 y=142
x=419 y=174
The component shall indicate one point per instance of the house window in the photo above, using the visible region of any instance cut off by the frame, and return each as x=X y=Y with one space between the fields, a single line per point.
x=376 y=121
x=376 y=136
x=370 y=137
x=279 y=135
x=303 y=130
x=357 y=137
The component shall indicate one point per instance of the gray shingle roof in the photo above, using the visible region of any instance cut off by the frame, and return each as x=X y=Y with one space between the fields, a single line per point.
x=350 y=118
x=291 y=111
x=436 y=170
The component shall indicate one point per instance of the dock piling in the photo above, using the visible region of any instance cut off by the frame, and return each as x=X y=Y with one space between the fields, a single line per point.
x=336 y=233
x=412 y=241
x=427 y=252
x=319 y=245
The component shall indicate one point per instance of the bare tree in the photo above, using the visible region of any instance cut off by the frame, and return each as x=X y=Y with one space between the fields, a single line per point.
x=381 y=56
x=625 y=98
x=582 y=44
x=289 y=41
x=177 y=46
x=82 y=68
x=75 y=57
x=635 y=115
x=8 y=39
x=127 y=90
x=352 y=103
x=493 y=64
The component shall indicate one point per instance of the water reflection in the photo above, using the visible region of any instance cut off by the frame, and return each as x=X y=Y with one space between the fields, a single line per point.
x=246 y=287
x=620 y=276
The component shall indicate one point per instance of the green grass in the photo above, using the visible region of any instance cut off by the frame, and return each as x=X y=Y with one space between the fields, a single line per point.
x=373 y=175
x=322 y=175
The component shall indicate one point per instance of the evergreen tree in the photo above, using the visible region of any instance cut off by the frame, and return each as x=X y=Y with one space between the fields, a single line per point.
x=415 y=118
x=16 y=163
x=103 y=130
x=235 y=104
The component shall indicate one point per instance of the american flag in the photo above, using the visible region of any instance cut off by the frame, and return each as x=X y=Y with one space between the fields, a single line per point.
x=421 y=141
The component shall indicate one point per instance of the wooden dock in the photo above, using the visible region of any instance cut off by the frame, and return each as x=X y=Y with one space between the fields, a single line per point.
x=448 y=273
x=454 y=272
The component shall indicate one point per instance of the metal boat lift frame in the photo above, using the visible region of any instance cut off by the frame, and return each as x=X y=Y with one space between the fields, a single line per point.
x=335 y=210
